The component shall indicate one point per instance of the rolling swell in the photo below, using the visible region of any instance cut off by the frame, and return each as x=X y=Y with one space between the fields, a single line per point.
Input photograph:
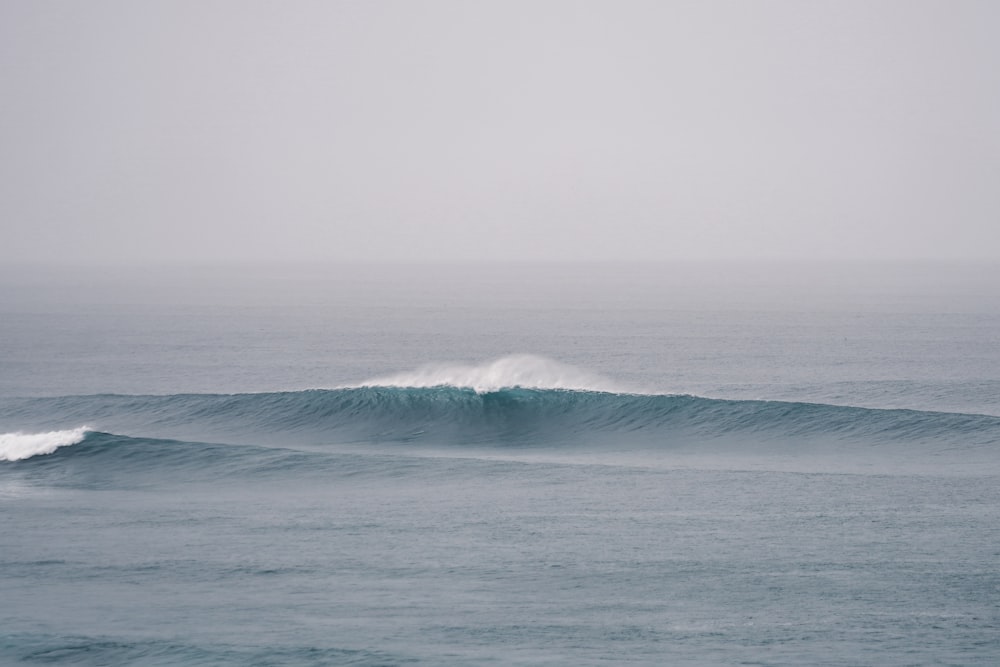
x=109 y=650
x=513 y=416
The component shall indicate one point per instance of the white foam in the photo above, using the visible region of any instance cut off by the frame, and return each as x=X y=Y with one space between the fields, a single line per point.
x=519 y=370
x=18 y=446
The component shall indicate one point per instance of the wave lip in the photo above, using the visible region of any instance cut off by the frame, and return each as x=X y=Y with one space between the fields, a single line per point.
x=19 y=446
x=525 y=371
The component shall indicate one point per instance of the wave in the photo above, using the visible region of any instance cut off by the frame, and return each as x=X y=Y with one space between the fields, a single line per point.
x=19 y=446
x=451 y=415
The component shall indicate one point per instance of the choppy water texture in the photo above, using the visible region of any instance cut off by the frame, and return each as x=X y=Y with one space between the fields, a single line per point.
x=819 y=502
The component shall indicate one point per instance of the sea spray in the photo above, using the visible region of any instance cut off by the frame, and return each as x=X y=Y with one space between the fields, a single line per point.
x=519 y=370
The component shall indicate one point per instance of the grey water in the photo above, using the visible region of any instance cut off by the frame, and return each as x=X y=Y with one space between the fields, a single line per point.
x=377 y=464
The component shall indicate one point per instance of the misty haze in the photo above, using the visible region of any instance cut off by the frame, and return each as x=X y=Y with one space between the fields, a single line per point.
x=508 y=333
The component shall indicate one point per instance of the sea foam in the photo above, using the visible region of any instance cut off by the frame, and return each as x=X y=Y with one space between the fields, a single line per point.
x=19 y=446
x=520 y=370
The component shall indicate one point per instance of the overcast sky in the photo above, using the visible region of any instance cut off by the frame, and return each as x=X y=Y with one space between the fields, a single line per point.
x=504 y=130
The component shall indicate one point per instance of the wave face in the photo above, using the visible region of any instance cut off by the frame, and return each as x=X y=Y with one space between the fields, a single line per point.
x=447 y=415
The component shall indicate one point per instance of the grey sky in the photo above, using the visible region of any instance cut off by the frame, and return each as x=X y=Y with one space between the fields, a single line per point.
x=508 y=130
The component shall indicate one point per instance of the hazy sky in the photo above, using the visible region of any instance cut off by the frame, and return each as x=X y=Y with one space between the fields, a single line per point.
x=512 y=130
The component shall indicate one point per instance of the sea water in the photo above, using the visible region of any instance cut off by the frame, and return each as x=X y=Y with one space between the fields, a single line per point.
x=526 y=464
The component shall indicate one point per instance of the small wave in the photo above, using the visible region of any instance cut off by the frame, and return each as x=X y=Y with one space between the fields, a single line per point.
x=19 y=446
x=108 y=460
x=515 y=371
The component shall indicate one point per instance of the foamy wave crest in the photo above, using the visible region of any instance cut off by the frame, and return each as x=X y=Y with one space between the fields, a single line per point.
x=18 y=446
x=520 y=370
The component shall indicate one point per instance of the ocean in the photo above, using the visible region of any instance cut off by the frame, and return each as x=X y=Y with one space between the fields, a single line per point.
x=687 y=463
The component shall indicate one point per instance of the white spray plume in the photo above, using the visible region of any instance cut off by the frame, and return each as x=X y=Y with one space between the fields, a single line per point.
x=520 y=370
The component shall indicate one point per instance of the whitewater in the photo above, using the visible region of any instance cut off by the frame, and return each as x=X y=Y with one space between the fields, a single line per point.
x=532 y=464
x=17 y=446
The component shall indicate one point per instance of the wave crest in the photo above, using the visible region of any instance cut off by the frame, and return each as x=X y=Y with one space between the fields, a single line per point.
x=524 y=371
x=19 y=446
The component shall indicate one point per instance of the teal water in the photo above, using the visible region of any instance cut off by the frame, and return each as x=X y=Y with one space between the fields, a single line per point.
x=538 y=464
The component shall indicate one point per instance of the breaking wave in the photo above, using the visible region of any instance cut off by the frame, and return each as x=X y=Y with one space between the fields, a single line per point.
x=520 y=401
x=456 y=416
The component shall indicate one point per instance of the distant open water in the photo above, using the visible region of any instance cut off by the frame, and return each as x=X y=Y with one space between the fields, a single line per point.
x=504 y=509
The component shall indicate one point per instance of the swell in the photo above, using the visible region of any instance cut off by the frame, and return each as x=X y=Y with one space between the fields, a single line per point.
x=127 y=650
x=526 y=417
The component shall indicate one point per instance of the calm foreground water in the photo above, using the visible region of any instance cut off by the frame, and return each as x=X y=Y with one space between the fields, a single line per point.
x=705 y=464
